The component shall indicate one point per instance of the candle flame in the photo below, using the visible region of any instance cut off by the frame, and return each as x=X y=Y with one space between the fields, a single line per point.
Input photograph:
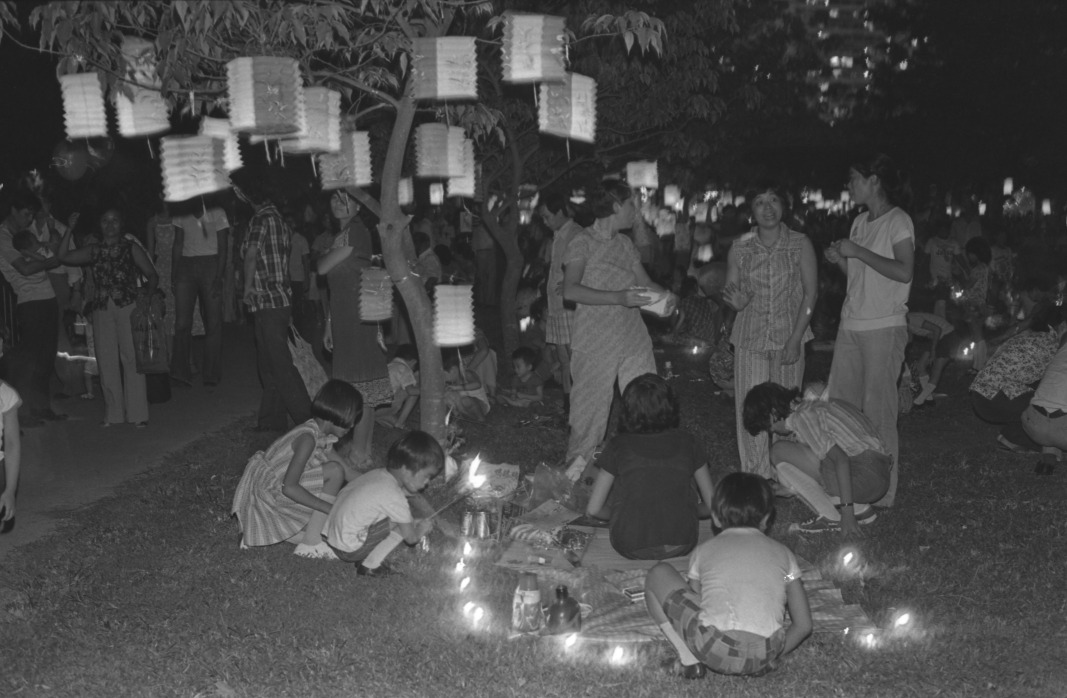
x=848 y=558
x=571 y=639
x=464 y=583
x=904 y=619
x=473 y=478
x=479 y=613
x=468 y=607
x=460 y=566
x=467 y=549
x=617 y=655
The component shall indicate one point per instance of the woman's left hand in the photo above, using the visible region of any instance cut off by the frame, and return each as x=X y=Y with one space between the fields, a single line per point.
x=791 y=352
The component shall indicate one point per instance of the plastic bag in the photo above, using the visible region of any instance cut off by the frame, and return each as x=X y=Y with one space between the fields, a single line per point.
x=311 y=371
x=150 y=345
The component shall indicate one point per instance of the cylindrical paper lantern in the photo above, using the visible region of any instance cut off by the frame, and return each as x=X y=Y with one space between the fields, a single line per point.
x=405 y=193
x=465 y=185
x=1046 y=207
x=671 y=194
x=375 y=295
x=349 y=168
x=145 y=114
x=642 y=173
x=1009 y=186
x=445 y=67
x=220 y=129
x=439 y=151
x=266 y=97
x=192 y=166
x=83 y=105
x=568 y=108
x=453 y=316
x=322 y=107
x=437 y=194
x=532 y=49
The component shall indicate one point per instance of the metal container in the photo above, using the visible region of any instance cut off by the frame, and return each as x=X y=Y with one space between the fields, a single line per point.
x=481 y=525
x=467 y=527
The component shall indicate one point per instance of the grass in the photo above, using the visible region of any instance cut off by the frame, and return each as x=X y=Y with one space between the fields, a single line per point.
x=146 y=593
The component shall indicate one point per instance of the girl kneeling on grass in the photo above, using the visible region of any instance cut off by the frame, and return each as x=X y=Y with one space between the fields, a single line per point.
x=650 y=468
x=729 y=617
x=287 y=491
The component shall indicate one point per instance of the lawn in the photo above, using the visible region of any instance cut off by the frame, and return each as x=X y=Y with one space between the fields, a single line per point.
x=146 y=593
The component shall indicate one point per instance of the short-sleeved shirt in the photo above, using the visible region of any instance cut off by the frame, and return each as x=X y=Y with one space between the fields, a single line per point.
x=269 y=233
x=771 y=278
x=400 y=375
x=201 y=233
x=701 y=317
x=365 y=501
x=299 y=249
x=655 y=502
x=9 y=400
x=36 y=286
x=1051 y=394
x=115 y=274
x=976 y=293
x=743 y=575
x=941 y=252
x=608 y=330
x=1017 y=364
x=560 y=240
x=527 y=386
x=822 y=424
x=917 y=320
x=874 y=301
x=1002 y=264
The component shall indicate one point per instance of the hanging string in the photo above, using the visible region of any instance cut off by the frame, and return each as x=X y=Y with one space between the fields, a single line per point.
x=266 y=149
x=151 y=152
x=568 y=143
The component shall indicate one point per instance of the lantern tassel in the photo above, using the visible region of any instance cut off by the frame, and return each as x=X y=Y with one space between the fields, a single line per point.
x=568 y=142
x=151 y=152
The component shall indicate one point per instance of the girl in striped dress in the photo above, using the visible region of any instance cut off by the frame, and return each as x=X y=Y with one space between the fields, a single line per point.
x=287 y=490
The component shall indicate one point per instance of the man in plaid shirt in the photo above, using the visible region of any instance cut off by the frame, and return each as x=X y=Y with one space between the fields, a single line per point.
x=266 y=293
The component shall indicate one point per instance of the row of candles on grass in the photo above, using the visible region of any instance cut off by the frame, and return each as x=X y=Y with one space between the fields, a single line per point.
x=902 y=625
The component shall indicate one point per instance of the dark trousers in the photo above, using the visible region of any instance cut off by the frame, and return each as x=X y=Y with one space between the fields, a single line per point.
x=1000 y=409
x=35 y=357
x=196 y=279
x=283 y=388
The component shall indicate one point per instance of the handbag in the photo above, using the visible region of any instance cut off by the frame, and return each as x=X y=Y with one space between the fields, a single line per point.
x=150 y=344
x=311 y=371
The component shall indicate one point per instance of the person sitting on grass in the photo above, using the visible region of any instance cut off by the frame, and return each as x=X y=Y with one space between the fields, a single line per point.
x=649 y=468
x=287 y=490
x=403 y=379
x=11 y=455
x=527 y=386
x=730 y=615
x=836 y=461
x=699 y=318
x=464 y=392
x=1044 y=422
x=372 y=515
x=943 y=343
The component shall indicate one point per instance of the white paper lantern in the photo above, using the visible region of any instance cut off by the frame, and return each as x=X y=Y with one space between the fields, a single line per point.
x=671 y=195
x=439 y=151
x=437 y=194
x=445 y=67
x=1009 y=186
x=532 y=49
x=466 y=185
x=83 y=105
x=642 y=173
x=193 y=166
x=1046 y=207
x=266 y=96
x=220 y=130
x=405 y=191
x=375 y=295
x=145 y=114
x=322 y=134
x=568 y=108
x=453 y=315
x=351 y=167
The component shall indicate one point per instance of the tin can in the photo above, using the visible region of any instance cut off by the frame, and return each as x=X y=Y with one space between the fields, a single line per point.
x=467 y=527
x=481 y=525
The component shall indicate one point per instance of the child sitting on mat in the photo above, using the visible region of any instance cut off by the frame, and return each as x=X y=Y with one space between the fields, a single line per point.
x=527 y=385
x=403 y=379
x=649 y=469
x=372 y=515
x=464 y=392
x=730 y=615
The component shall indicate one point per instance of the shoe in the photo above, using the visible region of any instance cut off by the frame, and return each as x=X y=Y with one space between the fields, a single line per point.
x=867 y=517
x=781 y=490
x=690 y=671
x=382 y=570
x=320 y=551
x=51 y=415
x=816 y=524
x=1006 y=445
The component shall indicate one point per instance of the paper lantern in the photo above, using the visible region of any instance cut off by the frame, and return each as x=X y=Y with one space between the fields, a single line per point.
x=642 y=173
x=445 y=67
x=437 y=194
x=405 y=191
x=532 y=49
x=568 y=108
x=351 y=167
x=439 y=151
x=69 y=160
x=846 y=196
x=322 y=134
x=1009 y=186
x=265 y=94
x=671 y=195
x=141 y=113
x=453 y=315
x=220 y=129
x=465 y=185
x=193 y=166
x=83 y=105
x=1046 y=207
x=375 y=295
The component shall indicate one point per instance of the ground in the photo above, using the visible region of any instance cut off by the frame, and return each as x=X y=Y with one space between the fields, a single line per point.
x=146 y=593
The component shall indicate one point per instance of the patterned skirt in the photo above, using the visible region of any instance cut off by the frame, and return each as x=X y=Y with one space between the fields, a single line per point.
x=266 y=516
x=376 y=392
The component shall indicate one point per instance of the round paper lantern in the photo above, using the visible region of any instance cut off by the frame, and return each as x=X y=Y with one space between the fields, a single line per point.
x=83 y=105
x=193 y=166
x=453 y=316
x=375 y=295
x=568 y=108
x=219 y=129
x=532 y=49
x=444 y=67
x=349 y=168
x=322 y=107
x=465 y=185
x=439 y=151
x=69 y=160
x=266 y=97
x=642 y=173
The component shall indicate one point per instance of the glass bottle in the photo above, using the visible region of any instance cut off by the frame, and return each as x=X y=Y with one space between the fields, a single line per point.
x=564 y=616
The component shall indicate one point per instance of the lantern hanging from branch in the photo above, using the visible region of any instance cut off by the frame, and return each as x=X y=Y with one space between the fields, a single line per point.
x=141 y=112
x=437 y=194
x=642 y=173
x=83 y=105
x=466 y=185
x=220 y=130
x=351 y=167
x=193 y=166
x=322 y=107
x=375 y=295
x=439 y=151
x=265 y=94
x=568 y=108
x=405 y=191
x=444 y=67
x=671 y=195
x=453 y=316
x=532 y=49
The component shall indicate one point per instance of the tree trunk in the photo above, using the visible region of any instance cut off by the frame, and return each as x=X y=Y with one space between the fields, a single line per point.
x=506 y=234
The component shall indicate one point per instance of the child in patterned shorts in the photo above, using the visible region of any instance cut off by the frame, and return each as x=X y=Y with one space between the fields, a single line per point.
x=729 y=616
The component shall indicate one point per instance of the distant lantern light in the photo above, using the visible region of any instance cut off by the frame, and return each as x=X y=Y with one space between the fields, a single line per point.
x=405 y=191
x=444 y=68
x=437 y=194
x=642 y=174
x=84 y=114
x=266 y=96
x=671 y=195
x=532 y=49
x=568 y=108
x=1046 y=207
x=1009 y=186
x=846 y=196
x=981 y=208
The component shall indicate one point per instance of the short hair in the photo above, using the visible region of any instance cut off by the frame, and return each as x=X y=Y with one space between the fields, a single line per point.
x=443 y=253
x=450 y=359
x=765 y=404
x=415 y=451
x=611 y=192
x=649 y=405
x=742 y=500
x=1046 y=316
x=555 y=202
x=407 y=352
x=20 y=200
x=421 y=240
x=980 y=249
x=23 y=240
x=339 y=403
x=769 y=185
x=525 y=354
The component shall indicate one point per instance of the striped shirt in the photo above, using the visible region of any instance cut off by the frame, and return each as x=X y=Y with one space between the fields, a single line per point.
x=823 y=424
x=269 y=233
x=771 y=278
